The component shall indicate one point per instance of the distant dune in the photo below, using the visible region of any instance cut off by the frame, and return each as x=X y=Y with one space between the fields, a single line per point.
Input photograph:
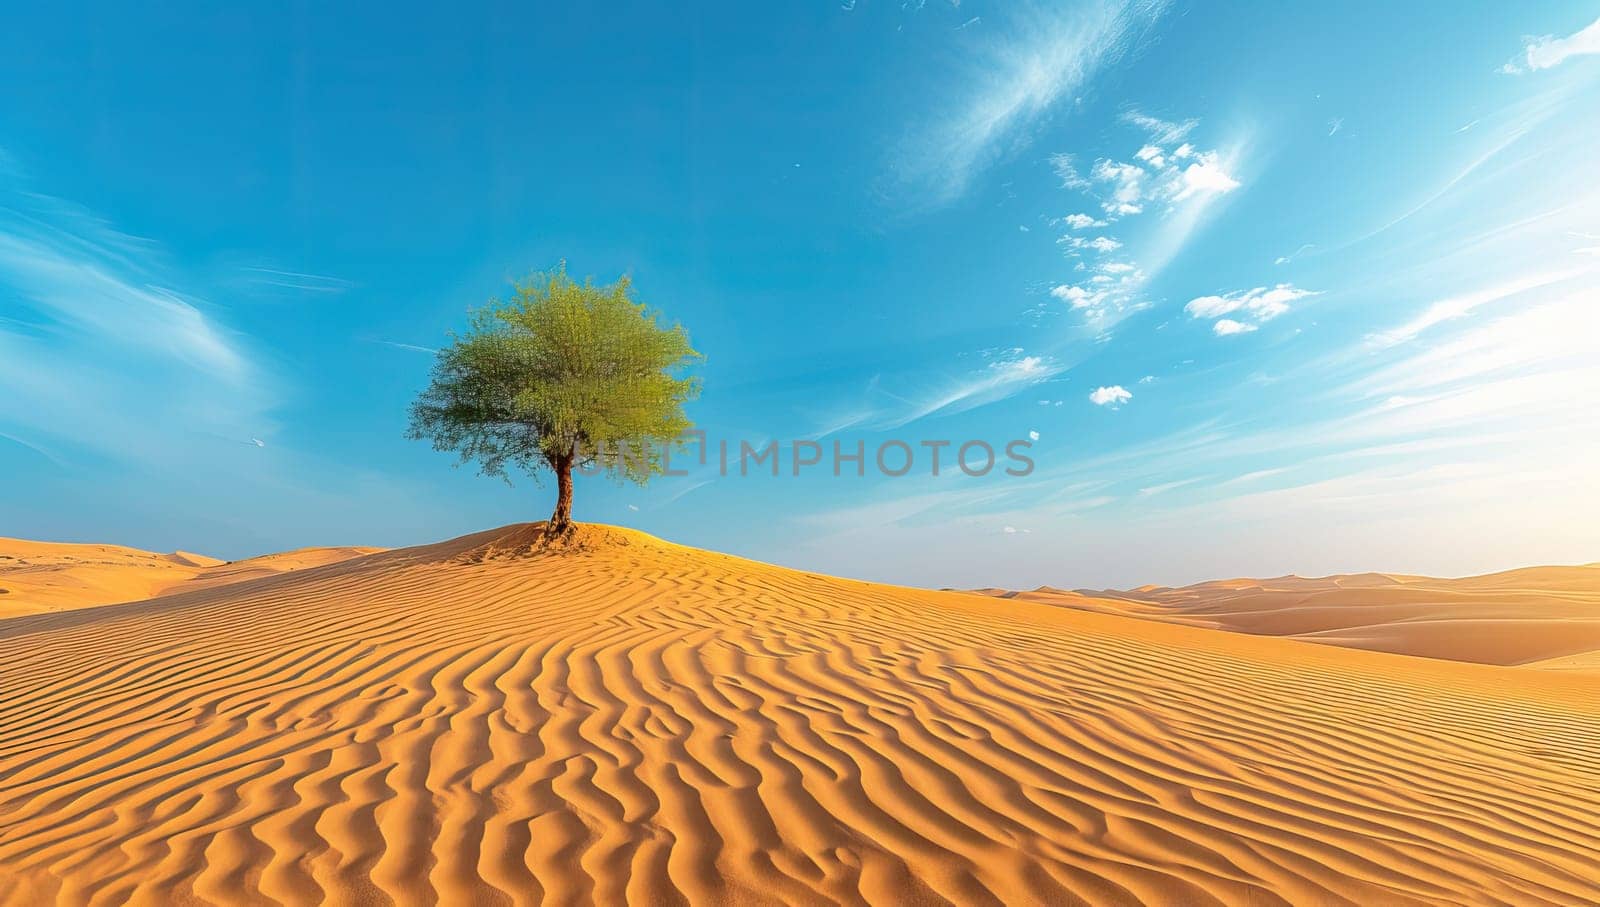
x=630 y=721
x=1536 y=616
x=55 y=576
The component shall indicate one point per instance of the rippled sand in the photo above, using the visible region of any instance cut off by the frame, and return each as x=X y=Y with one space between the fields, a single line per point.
x=636 y=722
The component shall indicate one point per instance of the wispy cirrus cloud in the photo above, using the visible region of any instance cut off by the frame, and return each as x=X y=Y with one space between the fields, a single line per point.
x=409 y=347
x=1162 y=132
x=1037 y=55
x=105 y=351
x=889 y=402
x=296 y=280
x=1528 y=121
x=1006 y=374
x=1463 y=305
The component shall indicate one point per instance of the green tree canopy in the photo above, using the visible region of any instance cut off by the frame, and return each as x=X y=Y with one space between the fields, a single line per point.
x=563 y=375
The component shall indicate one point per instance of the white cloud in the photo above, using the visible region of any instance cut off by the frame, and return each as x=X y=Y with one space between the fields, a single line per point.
x=1082 y=221
x=1033 y=436
x=1112 y=396
x=1020 y=368
x=1114 y=287
x=1178 y=183
x=1205 y=172
x=1036 y=56
x=1549 y=51
x=1203 y=176
x=1127 y=189
x=1147 y=379
x=1077 y=297
x=1261 y=303
x=1101 y=244
x=1125 y=182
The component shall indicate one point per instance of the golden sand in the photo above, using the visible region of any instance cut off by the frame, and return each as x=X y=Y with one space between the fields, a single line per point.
x=54 y=576
x=1537 y=616
x=629 y=721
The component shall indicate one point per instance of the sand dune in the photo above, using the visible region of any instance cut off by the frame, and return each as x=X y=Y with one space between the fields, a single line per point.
x=636 y=722
x=1536 y=616
x=54 y=576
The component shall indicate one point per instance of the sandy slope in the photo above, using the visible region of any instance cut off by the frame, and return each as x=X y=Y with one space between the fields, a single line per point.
x=642 y=723
x=54 y=576
x=1538 y=616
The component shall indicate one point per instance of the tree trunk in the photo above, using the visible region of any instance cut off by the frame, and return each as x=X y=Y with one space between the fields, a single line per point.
x=561 y=520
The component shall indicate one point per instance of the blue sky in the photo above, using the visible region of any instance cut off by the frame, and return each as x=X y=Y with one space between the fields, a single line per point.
x=1278 y=289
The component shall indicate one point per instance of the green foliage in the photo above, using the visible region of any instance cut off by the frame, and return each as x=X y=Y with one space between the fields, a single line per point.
x=563 y=375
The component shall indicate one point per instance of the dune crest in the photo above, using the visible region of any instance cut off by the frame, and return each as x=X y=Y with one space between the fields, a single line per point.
x=640 y=722
x=528 y=540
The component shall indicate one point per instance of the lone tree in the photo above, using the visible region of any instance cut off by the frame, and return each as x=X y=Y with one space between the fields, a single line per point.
x=564 y=375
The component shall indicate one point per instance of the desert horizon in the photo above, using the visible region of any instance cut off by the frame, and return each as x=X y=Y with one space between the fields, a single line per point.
x=51 y=575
